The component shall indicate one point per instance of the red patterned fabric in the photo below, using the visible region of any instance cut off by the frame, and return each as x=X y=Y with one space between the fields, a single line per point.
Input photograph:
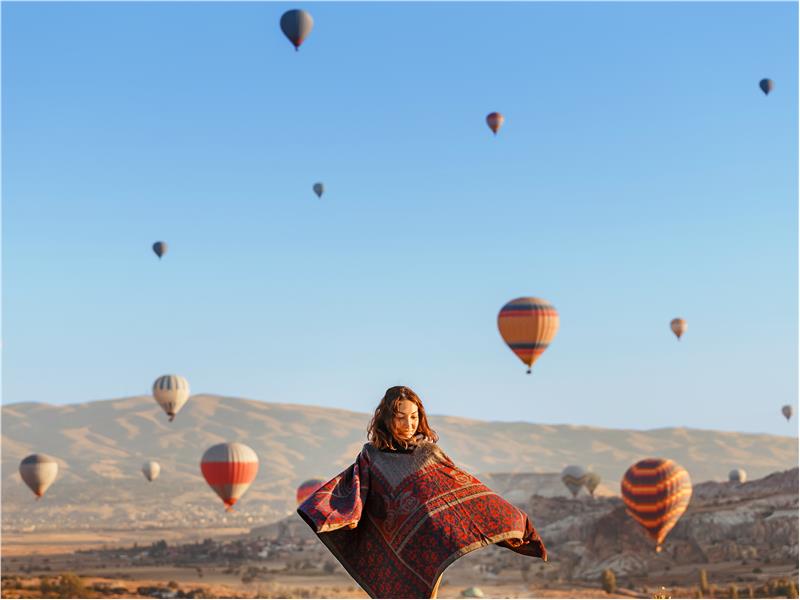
x=396 y=521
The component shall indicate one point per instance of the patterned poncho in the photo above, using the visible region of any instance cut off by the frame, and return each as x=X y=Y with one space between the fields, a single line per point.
x=397 y=520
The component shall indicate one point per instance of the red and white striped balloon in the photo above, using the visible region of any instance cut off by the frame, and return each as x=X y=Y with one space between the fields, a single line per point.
x=229 y=469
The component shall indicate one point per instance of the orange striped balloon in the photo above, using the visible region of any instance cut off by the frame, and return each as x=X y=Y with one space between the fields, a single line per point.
x=495 y=121
x=528 y=325
x=656 y=493
x=229 y=470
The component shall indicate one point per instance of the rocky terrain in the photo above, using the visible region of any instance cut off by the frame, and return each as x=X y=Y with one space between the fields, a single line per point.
x=728 y=529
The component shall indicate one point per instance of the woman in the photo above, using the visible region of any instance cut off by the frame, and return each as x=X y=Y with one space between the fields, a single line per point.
x=403 y=511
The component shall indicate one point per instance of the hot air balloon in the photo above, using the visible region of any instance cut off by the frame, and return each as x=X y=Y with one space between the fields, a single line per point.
x=737 y=476
x=171 y=392
x=678 y=327
x=151 y=469
x=38 y=471
x=319 y=189
x=528 y=325
x=591 y=481
x=296 y=25
x=495 y=121
x=574 y=478
x=305 y=489
x=656 y=492
x=160 y=248
x=229 y=469
x=766 y=86
x=787 y=411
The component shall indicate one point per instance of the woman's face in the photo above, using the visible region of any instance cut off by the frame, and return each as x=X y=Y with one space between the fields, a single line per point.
x=405 y=420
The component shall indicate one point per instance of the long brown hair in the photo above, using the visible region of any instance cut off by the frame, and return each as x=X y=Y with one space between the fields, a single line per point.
x=381 y=428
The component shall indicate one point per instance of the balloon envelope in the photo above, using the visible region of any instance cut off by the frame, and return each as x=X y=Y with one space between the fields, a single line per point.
x=495 y=121
x=229 y=469
x=656 y=492
x=319 y=189
x=737 y=476
x=766 y=85
x=591 y=481
x=574 y=477
x=171 y=392
x=528 y=325
x=305 y=489
x=151 y=469
x=38 y=471
x=787 y=411
x=678 y=327
x=160 y=248
x=296 y=25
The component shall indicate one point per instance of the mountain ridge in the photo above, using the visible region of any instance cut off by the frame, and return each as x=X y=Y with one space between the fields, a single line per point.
x=101 y=444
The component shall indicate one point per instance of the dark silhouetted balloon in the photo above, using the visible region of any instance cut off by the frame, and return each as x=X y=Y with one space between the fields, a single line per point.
x=766 y=85
x=495 y=121
x=160 y=248
x=296 y=25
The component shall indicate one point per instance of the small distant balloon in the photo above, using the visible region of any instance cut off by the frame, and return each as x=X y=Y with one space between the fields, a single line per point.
x=229 y=469
x=171 y=392
x=737 y=476
x=296 y=25
x=678 y=327
x=38 y=471
x=495 y=121
x=787 y=411
x=591 y=481
x=160 y=248
x=150 y=470
x=574 y=477
x=766 y=86
x=319 y=189
x=305 y=489
x=528 y=325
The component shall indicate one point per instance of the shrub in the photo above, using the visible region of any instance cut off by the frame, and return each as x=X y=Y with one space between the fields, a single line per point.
x=609 y=580
x=791 y=590
x=329 y=566
x=44 y=585
x=71 y=586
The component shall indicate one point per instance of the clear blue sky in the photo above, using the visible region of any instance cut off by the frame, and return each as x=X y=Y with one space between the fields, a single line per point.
x=641 y=175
